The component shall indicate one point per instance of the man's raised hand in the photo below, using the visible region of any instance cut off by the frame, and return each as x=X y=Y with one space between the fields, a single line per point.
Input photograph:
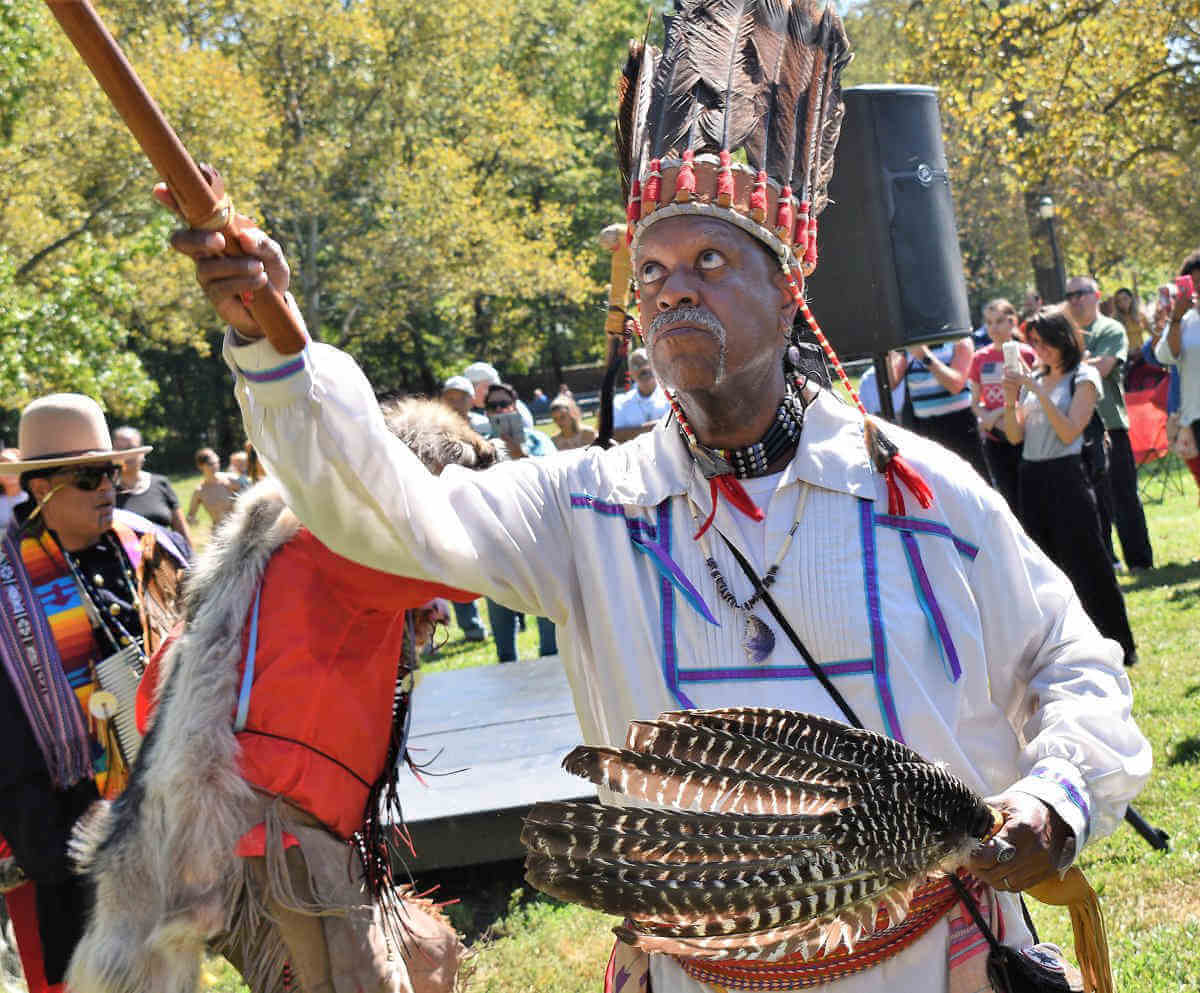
x=226 y=278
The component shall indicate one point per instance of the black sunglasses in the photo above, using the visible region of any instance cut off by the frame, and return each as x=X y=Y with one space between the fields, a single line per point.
x=498 y=404
x=92 y=477
x=1076 y=294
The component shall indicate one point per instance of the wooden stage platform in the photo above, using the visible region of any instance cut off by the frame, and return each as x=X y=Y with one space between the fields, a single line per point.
x=496 y=736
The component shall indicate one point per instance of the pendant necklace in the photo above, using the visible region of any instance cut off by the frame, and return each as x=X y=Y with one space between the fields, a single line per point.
x=758 y=640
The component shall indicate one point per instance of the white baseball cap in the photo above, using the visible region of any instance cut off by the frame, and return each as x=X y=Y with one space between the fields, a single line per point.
x=458 y=383
x=481 y=372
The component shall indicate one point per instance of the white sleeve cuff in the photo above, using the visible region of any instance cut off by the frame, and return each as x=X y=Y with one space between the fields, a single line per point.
x=1058 y=784
x=274 y=378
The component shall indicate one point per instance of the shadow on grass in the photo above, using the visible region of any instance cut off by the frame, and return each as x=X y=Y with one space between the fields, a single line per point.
x=1187 y=752
x=1171 y=574
x=484 y=894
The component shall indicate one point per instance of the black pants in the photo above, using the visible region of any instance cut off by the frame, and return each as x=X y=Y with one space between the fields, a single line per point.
x=1004 y=462
x=1058 y=511
x=957 y=431
x=1121 y=505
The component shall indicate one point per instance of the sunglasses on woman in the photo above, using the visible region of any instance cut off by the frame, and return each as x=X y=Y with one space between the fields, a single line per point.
x=92 y=477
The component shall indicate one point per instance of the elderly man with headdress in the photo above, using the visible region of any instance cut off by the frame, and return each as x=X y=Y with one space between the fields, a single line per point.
x=904 y=577
x=76 y=621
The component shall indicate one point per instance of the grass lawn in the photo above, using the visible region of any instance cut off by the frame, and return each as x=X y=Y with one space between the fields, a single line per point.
x=1151 y=899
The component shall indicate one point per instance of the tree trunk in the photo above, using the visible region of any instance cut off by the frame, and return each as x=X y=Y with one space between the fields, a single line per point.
x=1046 y=273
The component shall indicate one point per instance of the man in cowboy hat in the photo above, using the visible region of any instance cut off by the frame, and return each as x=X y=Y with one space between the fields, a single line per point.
x=70 y=599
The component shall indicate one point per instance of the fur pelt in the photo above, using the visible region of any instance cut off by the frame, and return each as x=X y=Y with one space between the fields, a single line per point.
x=162 y=855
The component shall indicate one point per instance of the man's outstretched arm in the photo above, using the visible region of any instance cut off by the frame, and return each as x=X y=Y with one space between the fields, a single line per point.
x=314 y=420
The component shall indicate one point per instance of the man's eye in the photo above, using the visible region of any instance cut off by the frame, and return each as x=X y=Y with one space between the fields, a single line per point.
x=710 y=259
x=651 y=272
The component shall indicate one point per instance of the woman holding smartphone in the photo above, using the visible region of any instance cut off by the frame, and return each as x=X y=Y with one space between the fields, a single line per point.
x=1046 y=412
x=517 y=441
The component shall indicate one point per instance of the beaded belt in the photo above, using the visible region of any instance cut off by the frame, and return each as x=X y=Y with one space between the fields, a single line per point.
x=929 y=904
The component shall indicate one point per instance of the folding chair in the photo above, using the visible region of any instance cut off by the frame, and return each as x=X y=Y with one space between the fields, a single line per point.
x=1159 y=470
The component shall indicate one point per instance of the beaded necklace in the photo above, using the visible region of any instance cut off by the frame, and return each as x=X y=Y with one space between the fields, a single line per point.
x=109 y=609
x=758 y=641
x=751 y=460
x=719 y=468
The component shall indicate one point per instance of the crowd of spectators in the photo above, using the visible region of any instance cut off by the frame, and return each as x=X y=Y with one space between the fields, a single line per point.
x=1050 y=428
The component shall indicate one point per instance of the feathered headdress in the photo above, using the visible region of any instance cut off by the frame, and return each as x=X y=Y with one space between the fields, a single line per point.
x=784 y=833
x=752 y=79
x=758 y=80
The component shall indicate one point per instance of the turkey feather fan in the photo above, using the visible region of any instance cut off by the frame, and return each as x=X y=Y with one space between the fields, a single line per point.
x=774 y=833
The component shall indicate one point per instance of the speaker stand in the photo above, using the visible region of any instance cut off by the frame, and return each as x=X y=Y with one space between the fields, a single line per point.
x=883 y=380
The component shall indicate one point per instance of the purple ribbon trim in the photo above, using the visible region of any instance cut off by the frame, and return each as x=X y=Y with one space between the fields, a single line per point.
x=1067 y=787
x=929 y=604
x=289 y=368
x=928 y=527
x=582 y=501
x=669 y=568
x=644 y=538
x=883 y=689
x=667 y=592
x=851 y=667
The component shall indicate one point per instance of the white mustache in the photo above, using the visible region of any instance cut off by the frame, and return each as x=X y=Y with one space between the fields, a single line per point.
x=699 y=316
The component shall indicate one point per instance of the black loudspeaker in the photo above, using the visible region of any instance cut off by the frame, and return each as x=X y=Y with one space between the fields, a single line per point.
x=890 y=270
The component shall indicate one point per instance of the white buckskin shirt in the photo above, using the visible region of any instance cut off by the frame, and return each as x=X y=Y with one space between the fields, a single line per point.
x=947 y=629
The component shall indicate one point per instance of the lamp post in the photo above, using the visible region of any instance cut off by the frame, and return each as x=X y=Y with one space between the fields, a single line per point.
x=1046 y=211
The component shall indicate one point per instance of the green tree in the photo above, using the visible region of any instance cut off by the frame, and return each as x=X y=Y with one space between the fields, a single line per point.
x=1087 y=101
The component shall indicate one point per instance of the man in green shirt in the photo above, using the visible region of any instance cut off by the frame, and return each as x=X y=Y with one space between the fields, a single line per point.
x=1108 y=346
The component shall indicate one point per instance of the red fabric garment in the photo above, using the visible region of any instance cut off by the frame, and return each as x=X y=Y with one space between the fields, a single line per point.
x=253 y=844
x=329 y=640
x=22 y=910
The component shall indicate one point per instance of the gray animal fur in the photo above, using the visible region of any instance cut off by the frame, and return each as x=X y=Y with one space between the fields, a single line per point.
x=162 y=855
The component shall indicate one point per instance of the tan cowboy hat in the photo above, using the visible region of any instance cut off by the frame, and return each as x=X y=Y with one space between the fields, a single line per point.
x=64 y=429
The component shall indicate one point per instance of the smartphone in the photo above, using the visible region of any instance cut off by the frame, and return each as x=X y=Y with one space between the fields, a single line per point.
x=508 y=425
x=1012 y=356
x=1185 y=286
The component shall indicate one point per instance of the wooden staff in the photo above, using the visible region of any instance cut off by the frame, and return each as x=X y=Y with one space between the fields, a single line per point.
x=612 y=239
x=202 y=205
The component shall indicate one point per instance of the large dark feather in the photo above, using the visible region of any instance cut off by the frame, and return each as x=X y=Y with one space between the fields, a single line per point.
x=671 y=97
x=802 y=734
x=633 y=106
x=627 y=93
x=739 y=752
x=769 y=42
x=837 y=48
x=719 y=48
x=795 y=74
x=686 y=785
x=856 y=823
